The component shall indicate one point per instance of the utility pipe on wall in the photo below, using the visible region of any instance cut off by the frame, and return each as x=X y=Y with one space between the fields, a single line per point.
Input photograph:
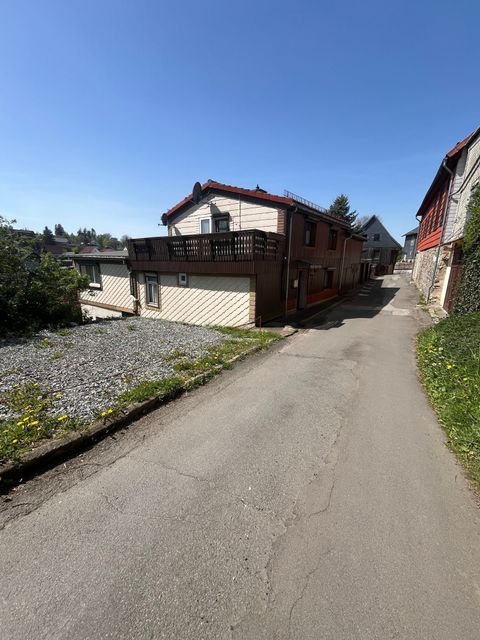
x=444 y=217
x=340 y=280
x=290 y=213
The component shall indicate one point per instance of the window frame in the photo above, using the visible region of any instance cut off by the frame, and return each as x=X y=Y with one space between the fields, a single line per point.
x=310 y=230
x=206 y=219
x=332 y=239
x=152 y=276
x=95 y=266
x=376 y=237
x=216 y=219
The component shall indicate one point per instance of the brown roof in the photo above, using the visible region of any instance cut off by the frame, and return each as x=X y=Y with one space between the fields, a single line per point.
x=258 y=194
x=220 y=186
x=452 y=158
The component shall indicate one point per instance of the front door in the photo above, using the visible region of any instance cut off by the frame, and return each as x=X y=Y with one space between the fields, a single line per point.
x=302 y=290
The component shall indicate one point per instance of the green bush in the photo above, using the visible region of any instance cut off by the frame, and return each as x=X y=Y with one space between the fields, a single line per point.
x=449 y=362
x=468 y=297
x=35 y=290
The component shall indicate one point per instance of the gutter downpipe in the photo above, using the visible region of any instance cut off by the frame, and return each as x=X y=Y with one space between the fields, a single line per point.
x=349 y=237
x=290 y=212
x=444 y=218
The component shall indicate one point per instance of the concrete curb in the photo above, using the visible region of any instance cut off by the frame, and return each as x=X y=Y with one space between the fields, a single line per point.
x=53 y=452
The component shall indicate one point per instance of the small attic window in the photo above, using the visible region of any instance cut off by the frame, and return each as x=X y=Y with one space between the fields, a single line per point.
x=376 y=237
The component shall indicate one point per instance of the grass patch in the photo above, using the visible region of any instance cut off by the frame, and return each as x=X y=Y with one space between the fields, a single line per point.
x=167 y=388
x=174 y=354
x=448 y=356
x=32 y=422
x=63 y=332
x=45 y=343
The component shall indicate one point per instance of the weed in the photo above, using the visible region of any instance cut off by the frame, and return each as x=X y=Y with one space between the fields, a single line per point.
x=448 y=357
x=63 y=332
x=131 y=327
x=57 y=355
x=174 y=354
x=33 y=421
x=45 y=343
x=166 y=388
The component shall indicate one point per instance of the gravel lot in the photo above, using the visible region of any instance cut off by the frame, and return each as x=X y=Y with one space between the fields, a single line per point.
x=93 y=364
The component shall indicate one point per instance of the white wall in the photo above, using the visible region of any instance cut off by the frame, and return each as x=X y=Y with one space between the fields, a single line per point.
x=115 y=289
x=243 y=215
x=452 y=211
x=472 y=176
x=220 y=300
x=99 y=312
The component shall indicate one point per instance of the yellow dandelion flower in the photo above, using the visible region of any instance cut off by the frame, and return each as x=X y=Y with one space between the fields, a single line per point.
x=32 y=424
x=62 y=418
x=19 y=424
x=14 y=441
x=110 y=411
x=449 y=366
x=104 y=413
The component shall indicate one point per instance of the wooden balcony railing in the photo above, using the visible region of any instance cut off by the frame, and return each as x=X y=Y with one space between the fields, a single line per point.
x=234 y=246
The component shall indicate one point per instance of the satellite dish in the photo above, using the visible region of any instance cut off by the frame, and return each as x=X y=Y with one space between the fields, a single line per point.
x=197 y=192
x=164 y=219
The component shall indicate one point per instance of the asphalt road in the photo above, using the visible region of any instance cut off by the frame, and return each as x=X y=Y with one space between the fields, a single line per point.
x=307 y=494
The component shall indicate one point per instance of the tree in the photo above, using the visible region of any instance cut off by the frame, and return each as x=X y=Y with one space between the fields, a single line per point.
x=59 y=230
x=468 y=298
x=47 y=236
x=341 y=207
x=35 y=290
x=124 y=240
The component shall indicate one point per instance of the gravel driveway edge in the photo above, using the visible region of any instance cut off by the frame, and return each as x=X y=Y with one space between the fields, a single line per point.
x=52 y=453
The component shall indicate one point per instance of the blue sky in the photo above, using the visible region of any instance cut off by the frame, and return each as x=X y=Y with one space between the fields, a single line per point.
x=110 y=110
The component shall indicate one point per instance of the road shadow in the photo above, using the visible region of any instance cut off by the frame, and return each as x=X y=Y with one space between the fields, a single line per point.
x=367 y=302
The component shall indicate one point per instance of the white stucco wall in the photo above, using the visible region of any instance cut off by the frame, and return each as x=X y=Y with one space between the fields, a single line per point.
x=243 y=215
x=221 y=300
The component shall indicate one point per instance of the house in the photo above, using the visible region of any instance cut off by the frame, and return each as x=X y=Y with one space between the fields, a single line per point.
x=442 y=215
x=380 y=249
x=410 y=245
x=109 y=294
x=236 y=257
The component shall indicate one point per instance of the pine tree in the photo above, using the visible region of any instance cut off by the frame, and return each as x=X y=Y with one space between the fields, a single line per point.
x=341 y=207
x=59 y=230
x=48 y=236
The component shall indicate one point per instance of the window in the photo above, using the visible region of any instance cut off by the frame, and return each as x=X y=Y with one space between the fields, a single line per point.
x=376 y=237
x=332 y=239
x=205 y=225
x=151 y=289
x=376 y=254
x=92 y=270
x=182 y=280
x=309 y=236
x=221 y=224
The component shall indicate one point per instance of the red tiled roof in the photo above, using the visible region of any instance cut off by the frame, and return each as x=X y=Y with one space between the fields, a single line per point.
x=463 y=143
x=212 y=184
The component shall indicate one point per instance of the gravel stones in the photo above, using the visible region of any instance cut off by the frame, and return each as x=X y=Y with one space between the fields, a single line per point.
x=91 y=365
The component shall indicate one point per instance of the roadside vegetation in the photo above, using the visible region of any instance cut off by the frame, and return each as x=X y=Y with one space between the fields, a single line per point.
x=449 y=361
x=35 y=290
x=33 y=409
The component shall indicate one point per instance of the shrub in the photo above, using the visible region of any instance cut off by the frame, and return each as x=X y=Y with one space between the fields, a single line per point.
x=468 y=298
x=35 y=290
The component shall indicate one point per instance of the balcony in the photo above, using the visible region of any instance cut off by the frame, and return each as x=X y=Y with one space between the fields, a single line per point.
x=232 y=252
